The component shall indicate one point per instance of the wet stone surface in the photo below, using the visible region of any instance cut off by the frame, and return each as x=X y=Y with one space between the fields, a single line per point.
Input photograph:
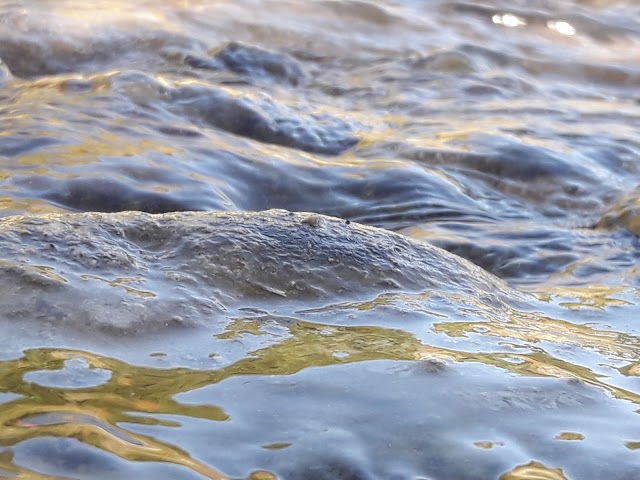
x=185 y=268
x=252 y=62
x=339 y=239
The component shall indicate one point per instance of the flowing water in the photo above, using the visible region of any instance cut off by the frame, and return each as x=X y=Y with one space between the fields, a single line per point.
x=296 y=346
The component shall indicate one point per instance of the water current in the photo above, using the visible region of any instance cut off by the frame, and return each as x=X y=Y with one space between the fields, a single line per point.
x=153 y=325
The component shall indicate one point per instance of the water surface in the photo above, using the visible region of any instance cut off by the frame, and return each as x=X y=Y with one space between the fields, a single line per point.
x=503 y=132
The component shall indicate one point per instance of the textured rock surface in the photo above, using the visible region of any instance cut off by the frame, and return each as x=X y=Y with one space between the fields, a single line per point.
x=136 y=271
x=252 y=62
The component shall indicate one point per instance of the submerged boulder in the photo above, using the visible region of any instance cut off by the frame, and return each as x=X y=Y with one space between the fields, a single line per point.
x=261 y=119
x=134 y=271
x=252 y=62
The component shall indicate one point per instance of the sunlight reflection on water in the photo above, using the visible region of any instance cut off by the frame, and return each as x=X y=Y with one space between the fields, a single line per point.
x=504 y=133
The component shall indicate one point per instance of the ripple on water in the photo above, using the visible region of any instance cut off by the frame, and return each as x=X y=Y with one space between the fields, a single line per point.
x=178 y=171
x=263 y=346
x=459 y=419
x=532 y=255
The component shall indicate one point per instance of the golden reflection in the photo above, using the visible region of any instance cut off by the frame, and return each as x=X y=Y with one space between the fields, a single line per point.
x=123 y=282
x=93 y=414
x=12 y=206
x=462 y=135
x=96 y=414
x=239 y=327
x=593 y=296
x=104 y=144
x=262 y=475
x=413 y=302
x=315 y=344
x=37 y=274
x=534 y=471
x=535 y=364
x=570 y=436
x=533 y=328
x=631 y=370
x=311 y=345
x=276 y=446
x=488 y=445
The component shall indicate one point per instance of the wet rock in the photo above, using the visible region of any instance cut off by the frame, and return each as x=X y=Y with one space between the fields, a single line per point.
x=253 y=62
x=262 y=120
x=133 y=271
x=257 y=117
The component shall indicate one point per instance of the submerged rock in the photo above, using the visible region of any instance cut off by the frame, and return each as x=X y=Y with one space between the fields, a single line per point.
x=252 y=62
x=133 y=271
x=262 y=120
x=257 y=117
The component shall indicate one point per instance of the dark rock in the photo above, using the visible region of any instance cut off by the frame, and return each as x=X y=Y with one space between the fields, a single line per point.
x=253 y=62
x=132 y=271
x=264 y=121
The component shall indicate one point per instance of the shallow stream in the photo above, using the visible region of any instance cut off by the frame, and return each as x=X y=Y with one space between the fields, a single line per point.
x=296 y=346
